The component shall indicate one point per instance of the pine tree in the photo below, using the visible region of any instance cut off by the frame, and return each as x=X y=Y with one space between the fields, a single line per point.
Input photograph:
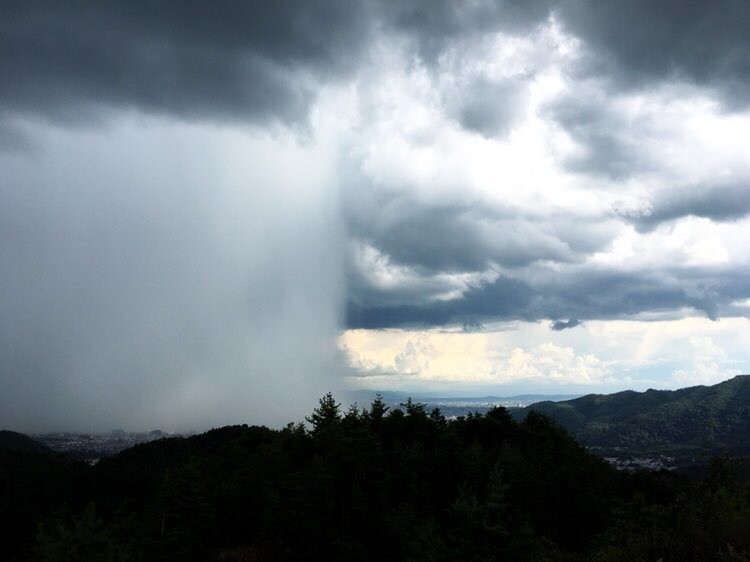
x=326 y=415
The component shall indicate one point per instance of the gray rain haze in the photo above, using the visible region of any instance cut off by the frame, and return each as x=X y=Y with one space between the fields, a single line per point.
x=178 y=278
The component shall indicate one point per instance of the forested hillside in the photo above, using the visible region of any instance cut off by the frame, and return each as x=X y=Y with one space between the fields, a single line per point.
x=373 y=484
x=714 y=419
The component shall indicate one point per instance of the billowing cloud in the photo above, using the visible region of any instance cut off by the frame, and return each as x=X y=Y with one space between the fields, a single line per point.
x=534 y=220
x=527 y=357
x=255 y=61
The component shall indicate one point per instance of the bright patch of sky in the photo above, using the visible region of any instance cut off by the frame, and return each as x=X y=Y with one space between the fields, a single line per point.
x=598 y=356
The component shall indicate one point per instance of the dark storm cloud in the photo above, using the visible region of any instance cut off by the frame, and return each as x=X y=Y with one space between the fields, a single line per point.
x=595 y=293
x=258 y=60
x=218 y=59
x=263 y=61
x=464 y=236
x=721 y=202
x=582 y=293
x=453 y=240
x=639 y=42
x=433 y=238
x=504 y=298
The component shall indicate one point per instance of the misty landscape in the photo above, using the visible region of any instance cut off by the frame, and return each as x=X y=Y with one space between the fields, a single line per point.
x=362 y=279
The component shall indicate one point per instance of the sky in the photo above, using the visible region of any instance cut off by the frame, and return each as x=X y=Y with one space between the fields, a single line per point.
x=215 y=212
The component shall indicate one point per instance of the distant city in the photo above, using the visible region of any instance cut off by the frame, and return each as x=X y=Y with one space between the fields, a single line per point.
x=91 y=447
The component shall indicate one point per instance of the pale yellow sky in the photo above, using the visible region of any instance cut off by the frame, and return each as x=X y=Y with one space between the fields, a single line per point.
x=596 y=355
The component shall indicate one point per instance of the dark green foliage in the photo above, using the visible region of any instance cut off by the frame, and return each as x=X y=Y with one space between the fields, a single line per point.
x=709 y=520
x=695 y=421
x=33 y=486
x=83 y=538
x=326 y=416
x=402 y=484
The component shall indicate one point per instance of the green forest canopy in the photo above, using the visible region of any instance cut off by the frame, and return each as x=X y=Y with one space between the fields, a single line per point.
x=367 y=484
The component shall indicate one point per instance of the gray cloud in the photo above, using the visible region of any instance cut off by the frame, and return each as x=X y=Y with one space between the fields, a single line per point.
x=611 y=142
x=504 y=298
x=464 y=236
x=596 y=293
x=256 y=61
x=719 y=202
x=579 y=292
x=490 y=108
x=435 y=24
x=560 y=325
x=436 y=240
x=262 y=62
x=640 y=42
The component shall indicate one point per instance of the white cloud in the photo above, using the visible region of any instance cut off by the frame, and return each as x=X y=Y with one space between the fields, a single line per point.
x=599 y=355
x=690 y=241
x=710 y=364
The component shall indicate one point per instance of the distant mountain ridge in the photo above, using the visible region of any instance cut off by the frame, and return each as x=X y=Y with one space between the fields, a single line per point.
x=709 y=418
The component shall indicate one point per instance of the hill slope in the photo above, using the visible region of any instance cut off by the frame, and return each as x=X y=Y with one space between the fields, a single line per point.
x=12 y=441
x=700 y=418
